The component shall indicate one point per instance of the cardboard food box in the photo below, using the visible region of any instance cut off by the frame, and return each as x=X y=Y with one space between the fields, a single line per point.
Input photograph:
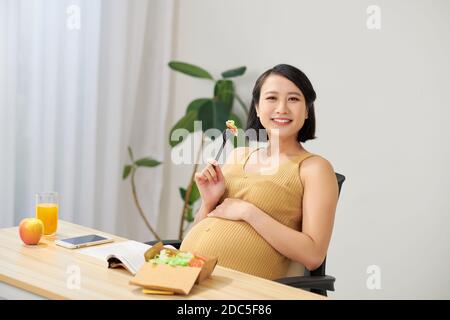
x=168 y=278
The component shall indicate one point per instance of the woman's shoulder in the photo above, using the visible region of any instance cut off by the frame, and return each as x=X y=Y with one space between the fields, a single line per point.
x=314 y=161
x=315 y=166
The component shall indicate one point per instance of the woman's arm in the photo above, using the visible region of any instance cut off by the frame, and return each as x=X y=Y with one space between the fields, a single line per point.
x=201 y=214
x=234 y=157
x=310 y=246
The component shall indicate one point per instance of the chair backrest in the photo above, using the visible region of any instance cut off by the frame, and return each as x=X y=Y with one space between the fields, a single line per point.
x=340 y=180
x=320 y=271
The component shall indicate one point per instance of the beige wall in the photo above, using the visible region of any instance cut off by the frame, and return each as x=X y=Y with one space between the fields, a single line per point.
x=381 y=112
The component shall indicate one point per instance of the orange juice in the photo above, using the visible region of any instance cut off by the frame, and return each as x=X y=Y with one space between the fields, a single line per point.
x=48 y=214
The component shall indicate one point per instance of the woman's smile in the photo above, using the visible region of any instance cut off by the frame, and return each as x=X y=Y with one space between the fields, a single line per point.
x=282 y=122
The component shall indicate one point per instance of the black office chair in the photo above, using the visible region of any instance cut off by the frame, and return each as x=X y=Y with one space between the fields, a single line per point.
x=315 y=281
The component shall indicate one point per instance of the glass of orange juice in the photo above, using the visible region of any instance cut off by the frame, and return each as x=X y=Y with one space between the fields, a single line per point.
x=47 y=211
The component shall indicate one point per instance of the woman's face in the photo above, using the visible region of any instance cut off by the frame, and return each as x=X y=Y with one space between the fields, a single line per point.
x=281 y=106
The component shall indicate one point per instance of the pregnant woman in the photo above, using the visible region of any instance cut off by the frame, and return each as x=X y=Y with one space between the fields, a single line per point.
x=256 y=219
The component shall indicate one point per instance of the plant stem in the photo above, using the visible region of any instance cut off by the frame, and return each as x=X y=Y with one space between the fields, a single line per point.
x=241 y=103
x=188 y=191
x=138 y=205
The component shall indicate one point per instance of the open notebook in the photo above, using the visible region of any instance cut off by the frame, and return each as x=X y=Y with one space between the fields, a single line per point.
x=127 y=254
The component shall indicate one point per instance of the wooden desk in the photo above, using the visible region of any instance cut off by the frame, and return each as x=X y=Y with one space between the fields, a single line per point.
x=45 y=271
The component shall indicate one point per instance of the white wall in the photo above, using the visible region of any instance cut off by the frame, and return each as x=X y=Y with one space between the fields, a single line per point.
x=381 y=111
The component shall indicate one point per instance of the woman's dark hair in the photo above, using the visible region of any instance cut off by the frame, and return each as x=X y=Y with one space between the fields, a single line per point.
x=307 y=132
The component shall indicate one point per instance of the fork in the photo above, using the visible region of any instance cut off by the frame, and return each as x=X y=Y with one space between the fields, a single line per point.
x=225 y=136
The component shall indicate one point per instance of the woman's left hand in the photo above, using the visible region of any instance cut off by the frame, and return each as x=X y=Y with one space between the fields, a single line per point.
x=232 y=209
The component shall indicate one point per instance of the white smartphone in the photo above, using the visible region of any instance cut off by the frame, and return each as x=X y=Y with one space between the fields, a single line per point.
x=83 y=241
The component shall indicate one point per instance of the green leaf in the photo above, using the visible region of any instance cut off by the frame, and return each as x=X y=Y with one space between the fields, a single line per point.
x=182 y=192
x=187 y=122
x=224 y=91
x=196 y=104
x=190 y=69
x=130 y=152
x=126 y=171
x=189 y=215
x=147 y=162
x=234 y=72
x=213 y=115
x=195 y=194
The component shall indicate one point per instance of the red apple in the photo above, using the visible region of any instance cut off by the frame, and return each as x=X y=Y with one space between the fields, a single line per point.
x=31 y=230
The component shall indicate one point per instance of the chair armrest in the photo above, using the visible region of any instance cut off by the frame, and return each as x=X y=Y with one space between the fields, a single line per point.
x=175 y=243
x=309 y=282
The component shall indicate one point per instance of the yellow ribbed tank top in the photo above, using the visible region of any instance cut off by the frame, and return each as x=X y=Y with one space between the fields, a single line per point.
x=236 y=244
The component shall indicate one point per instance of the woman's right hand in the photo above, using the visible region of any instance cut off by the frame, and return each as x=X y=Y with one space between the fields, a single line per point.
x=211 y=184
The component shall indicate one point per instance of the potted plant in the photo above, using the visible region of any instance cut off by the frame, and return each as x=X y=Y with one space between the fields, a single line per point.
x=212 y=112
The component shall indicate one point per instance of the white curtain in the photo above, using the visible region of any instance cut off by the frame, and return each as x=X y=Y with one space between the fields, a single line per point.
x=79 y=82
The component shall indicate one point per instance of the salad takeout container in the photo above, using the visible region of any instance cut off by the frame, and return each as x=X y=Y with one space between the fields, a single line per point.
x=168 y=278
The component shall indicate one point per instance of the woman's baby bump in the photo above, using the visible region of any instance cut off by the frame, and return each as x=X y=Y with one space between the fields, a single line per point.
x=236 y=244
